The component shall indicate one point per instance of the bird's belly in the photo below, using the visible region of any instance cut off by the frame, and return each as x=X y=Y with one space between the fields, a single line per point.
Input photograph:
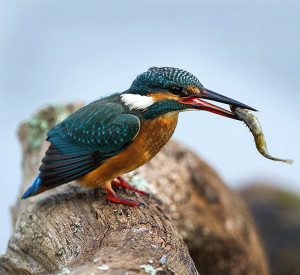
x=153 y=135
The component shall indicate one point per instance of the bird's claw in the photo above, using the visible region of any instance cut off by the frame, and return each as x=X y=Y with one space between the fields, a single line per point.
x=118 y=200
x=121 y=182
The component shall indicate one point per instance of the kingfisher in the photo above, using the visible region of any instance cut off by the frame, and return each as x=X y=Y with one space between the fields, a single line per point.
x=118 y=133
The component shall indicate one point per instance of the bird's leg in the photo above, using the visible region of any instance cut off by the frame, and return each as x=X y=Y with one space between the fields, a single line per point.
x=121 y=182
x=112 y=197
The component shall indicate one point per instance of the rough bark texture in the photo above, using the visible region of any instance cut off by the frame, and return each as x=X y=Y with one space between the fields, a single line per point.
x=75 y=231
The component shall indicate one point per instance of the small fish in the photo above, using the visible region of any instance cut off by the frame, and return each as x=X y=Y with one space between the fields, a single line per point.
x=253 y=124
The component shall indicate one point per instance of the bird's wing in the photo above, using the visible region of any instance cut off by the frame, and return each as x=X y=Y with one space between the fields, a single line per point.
x=84 y=140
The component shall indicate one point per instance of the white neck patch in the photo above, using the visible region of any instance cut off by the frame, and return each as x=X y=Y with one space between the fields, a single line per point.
x=134 y=101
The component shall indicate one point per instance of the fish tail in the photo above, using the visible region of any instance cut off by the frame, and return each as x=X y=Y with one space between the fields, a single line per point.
x=289 y=161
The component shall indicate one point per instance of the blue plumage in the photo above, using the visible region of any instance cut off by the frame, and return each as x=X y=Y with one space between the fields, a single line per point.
x=163 y=77
x=100 y=126
x=85 y=139
x=33 y=189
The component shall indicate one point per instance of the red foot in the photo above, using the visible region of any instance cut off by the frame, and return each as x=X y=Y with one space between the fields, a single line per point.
x=121 y=182
x=111 y=196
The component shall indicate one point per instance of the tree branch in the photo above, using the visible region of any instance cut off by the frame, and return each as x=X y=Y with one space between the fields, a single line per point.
x=75 y=231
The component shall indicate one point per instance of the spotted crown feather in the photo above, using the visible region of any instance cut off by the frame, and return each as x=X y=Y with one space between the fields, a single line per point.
x=164 y=77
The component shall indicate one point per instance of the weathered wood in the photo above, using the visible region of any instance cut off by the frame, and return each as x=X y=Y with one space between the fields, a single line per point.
x=75 y=231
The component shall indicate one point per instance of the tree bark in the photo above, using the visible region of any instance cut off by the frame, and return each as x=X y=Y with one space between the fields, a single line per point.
x=75 y=231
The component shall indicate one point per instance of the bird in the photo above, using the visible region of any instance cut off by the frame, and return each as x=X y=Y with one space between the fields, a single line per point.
x=120 y=132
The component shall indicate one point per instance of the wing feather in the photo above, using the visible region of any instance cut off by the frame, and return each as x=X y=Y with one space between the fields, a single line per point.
x=81 y=142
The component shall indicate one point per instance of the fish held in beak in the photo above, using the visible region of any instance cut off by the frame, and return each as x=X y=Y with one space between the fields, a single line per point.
x=253 y=124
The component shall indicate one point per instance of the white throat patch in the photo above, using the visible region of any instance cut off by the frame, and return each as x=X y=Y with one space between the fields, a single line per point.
x=137 y=101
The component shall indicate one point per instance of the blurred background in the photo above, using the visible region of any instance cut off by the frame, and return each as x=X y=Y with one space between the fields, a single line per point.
x=65 y=51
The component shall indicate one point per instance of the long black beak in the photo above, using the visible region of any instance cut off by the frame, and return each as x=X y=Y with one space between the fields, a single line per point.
x=208 y=94
x=196 y=102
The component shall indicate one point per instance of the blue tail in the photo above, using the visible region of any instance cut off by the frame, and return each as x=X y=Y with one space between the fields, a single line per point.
x=33 y=189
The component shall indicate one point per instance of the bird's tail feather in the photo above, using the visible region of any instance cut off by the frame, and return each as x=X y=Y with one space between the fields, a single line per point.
x=34 y=188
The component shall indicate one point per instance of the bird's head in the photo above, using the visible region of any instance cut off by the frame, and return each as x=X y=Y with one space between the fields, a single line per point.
x=165 y=90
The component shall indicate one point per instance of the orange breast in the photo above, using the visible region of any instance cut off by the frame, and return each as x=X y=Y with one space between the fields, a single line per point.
x=153 y=135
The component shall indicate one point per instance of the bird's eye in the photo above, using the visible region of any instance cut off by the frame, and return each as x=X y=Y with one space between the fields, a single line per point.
x=177 y=90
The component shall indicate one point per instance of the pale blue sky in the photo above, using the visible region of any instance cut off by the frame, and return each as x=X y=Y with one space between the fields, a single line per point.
x=59 y=51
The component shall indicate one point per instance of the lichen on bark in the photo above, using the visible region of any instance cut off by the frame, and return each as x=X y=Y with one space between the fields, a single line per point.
x=191 y=221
